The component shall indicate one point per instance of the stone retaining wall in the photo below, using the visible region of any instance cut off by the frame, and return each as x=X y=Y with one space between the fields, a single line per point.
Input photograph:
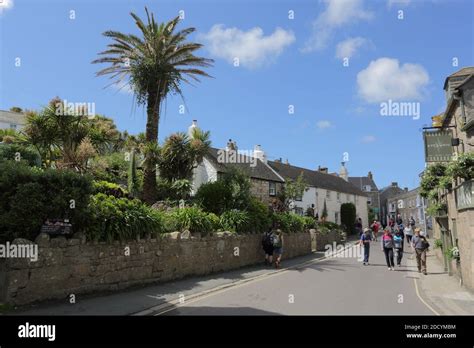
x=73 y=266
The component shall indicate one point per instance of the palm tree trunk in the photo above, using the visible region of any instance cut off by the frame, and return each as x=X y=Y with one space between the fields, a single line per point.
x=149 y=174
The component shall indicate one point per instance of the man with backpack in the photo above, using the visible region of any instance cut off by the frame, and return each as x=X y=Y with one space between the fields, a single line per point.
x=398 y=244
x=421 y=246
x=278 y=246
x=267 y=244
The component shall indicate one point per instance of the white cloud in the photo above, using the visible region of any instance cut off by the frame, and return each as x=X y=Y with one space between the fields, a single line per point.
x=252 y=47
x=349 y=47
x=337 y=14
x=5 y=5
x=385 y=79
x=368 y=139
x=323 y=124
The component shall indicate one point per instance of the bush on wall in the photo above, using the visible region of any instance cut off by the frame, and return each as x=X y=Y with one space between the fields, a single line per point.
x=30 y=195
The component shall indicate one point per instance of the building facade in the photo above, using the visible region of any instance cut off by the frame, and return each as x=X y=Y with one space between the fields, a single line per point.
x=367 y=185
x=388 y=211
x=12 y=120
x=409 y=204
x=455 y=226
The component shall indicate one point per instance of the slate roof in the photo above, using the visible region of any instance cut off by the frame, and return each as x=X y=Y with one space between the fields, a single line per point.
x=259 y=171
x=462 y=72
x=361 y=181
x=315 y=178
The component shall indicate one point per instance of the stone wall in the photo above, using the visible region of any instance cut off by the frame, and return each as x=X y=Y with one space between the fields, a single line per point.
x=74 y=266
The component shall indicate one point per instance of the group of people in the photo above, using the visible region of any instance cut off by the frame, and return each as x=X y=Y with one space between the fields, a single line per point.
x=393 y=241
x=272 y=243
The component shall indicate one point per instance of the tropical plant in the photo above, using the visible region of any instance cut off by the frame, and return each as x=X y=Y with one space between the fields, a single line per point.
x=113 y=218
x=180 y=154
x=154 y=66
x=193 y=219
x=324 y=213
x=132 y=175
x=235 y=221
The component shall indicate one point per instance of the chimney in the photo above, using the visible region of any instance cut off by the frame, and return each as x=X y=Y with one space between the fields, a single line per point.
x=394 y=184
x=343 y=173
x=259 y=153
x=286 y=161
x=405 y=189
x=323 y=169
x=371 y=177
x=231 y=145
x=192 y=127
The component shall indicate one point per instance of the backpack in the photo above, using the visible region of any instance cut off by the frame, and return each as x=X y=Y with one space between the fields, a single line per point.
x=268 y=240
x=424 y=243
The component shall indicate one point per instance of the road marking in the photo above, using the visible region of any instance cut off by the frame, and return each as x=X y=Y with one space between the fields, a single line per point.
x=418 y=292
x=234 y=285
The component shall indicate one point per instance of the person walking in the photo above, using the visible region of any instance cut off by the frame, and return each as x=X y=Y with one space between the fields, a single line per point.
x=358 y=226
x=387 y=248
x=421 y=245
x=398 y=244
x=365 y=240
x=278 y=247
x=267 y=244
x=375 y=230
x=408 y=233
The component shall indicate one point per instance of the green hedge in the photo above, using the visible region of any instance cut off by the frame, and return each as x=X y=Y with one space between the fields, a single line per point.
x=115 y=218
x=8 y=152
x=289 y=222
x=30 y=195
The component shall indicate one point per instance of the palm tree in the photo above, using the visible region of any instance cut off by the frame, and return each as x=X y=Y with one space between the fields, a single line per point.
x=153 y=66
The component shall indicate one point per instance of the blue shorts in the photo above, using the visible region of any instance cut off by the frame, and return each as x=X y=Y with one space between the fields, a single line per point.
x=278 y=251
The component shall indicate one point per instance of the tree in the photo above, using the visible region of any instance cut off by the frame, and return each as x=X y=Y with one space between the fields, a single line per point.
x=324 y=213
x=132 y=175
x=293 y=190
x=154 y=66
x=348 y=216
x=180 y=154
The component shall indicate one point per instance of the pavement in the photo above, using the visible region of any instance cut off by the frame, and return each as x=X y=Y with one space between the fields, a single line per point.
x=308 y=285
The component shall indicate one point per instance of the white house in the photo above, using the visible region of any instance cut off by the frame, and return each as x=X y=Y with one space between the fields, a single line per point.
x=12 y=120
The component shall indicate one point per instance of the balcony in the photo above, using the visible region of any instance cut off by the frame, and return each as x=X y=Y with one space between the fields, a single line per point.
x=465 y=195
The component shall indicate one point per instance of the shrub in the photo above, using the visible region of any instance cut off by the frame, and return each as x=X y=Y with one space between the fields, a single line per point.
x=112 y=168
x=234 y=221
x=27 y=154
x=348 y=216
x=109 y=189
x=115 y=218
x=215 y=197
x=193 y=219
x=30 y=195
x=462 y=167
x=259 y=216
x=309 y=222
x=289 y=222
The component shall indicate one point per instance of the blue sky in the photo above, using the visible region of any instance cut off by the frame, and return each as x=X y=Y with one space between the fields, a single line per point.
x=283 y=62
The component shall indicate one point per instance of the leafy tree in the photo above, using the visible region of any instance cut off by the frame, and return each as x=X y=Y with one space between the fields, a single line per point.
x=293 y=190
x=154 y=66
x=16 y=109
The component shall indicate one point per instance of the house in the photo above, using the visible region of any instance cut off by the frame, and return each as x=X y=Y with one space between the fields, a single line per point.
x=409 y=204
x=455 y=227
x=324 y=188
x=12 y=120
x=388 y=211
x=367 y=184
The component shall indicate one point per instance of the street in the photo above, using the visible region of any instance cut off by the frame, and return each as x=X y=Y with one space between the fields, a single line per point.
x=333 y=286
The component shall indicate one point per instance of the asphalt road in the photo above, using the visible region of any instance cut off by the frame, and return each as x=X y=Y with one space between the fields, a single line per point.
x=333 y=286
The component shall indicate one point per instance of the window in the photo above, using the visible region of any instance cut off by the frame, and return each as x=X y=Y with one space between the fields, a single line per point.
x=328 y=194
x=272 y=190
x=13 y=126
x=299 y=211
x=369 y=200
x=400 y=204
x=367 y=188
